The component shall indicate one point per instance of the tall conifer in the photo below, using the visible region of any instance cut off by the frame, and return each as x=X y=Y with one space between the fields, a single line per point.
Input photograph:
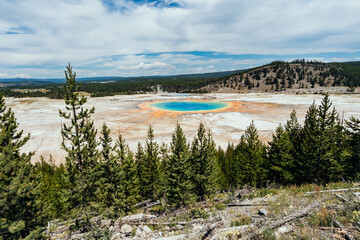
x=178 y=186
x=79 y=141
x=18 y=210
x=250 y=154
x=202 y=163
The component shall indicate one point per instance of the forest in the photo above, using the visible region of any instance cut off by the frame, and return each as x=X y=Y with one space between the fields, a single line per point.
x=102 y=176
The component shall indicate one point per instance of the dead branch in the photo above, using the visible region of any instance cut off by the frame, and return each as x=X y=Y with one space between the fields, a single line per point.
x=289 y=218
x=341 y=197
x=246 y=204
x=142 y=203
x=334 y=190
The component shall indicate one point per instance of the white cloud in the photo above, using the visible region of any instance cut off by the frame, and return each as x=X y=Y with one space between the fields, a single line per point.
x=147 y=66
x=21 y=75
x=85 y=32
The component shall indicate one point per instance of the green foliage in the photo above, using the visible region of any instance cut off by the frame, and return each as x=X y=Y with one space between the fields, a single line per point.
x=79 y=141
x=202 y=163
x=353 y=131
x=251 y=158
x=149 y=168
x=241 y=220
x=130 y=181
x=198 y=213
x=323 y=218
x=280 y=159
x=177 y=172
x=18 y=214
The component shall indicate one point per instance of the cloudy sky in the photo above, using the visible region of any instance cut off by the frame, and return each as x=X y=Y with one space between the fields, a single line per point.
x=151 y=37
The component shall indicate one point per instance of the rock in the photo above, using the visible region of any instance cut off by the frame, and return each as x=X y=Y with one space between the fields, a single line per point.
x=283 y=229
x=116 y=229
x=111 y=229
x=146 y=229
x=126 y=229
x=263 y=212
x=166 y=228
x=116 y=236
x=198 y=227
x=138 y=232
x=180 y=227
x=78 y=236
x=105 y=223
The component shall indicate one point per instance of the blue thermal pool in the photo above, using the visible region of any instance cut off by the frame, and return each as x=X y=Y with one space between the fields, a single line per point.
x=189 y=106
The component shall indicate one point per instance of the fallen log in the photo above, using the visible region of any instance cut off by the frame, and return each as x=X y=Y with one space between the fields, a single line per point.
x=246 y=204
x=341 y=197
x=151 y=204
x=334 y=190
x=339 y=225
x=289 y=218
x=142 y=203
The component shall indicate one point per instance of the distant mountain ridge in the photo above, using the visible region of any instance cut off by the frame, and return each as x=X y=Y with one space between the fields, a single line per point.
x=40 y=81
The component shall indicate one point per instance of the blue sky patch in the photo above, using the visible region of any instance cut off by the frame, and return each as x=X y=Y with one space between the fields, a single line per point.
x=19 y=30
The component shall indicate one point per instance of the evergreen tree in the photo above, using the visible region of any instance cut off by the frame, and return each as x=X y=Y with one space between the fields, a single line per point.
x=126 y=181
x=105 y=141
x=305 y=166
x=228 y=168
x=292 y=128
x=79 y=141
x=110 y=175
x=320 y=160
x=250 y=154
x=329 y=166
x=51 y=183
x=202 y=163
x=178 y=185
x=149 y=168
x=280 y=159
x=18 y=191
x=353 y=164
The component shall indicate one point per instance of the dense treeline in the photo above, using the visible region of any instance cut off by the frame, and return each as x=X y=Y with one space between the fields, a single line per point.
x=102 y=176
x=191 y=83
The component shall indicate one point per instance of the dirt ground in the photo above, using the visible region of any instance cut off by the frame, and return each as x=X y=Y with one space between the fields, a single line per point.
x=131 y=115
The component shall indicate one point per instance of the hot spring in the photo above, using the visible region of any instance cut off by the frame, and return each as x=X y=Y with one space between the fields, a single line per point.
x=189 y=106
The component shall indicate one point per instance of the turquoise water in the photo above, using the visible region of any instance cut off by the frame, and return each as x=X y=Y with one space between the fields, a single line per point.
x=188 y=106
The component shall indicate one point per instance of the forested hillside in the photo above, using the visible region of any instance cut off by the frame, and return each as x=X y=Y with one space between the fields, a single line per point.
x=103 y=177
x=299 y=74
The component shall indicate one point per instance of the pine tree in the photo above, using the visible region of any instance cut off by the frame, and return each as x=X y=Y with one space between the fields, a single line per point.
x=250 y=154
x=202 y=164
x=228 y=168
x=178 y=185
x=280 y=159
x=329 y=167
x=126 y=177
x=105 y=142
x=18 y=191
x=353 y=164
x=305 y=166
x=79 y=141
x=51 y=185
x=109 y=191
x=149 y=168
x=130 y=182
x=320 y=159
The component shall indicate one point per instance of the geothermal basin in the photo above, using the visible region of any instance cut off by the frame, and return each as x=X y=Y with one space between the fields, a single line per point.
x=131 y=116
